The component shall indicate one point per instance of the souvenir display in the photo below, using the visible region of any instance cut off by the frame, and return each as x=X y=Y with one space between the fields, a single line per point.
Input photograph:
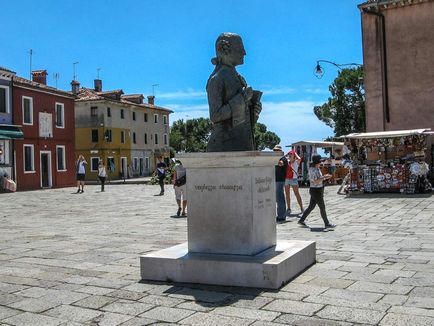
x=392 y=164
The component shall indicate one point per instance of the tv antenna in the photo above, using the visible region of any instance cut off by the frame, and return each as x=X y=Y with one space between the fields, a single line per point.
x=30 y=57
x=153 y=88
x=74 y=77
x=56 y=77
x=97 y=72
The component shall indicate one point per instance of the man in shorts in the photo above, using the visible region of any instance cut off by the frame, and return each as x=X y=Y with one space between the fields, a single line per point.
x=179 y=184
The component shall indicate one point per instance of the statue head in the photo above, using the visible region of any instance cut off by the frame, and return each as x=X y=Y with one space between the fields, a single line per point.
x=229 y=49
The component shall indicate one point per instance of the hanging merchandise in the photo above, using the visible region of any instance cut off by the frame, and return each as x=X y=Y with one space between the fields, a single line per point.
x=390 y=161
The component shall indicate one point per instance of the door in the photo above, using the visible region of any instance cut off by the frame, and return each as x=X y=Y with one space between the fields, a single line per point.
x=141 y=166
x=46 y=169
x=124 y=169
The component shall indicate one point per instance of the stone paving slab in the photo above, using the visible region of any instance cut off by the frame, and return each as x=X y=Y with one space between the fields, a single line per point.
x=73 y=259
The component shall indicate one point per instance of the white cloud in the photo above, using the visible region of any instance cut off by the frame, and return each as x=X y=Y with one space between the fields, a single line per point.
x=293 y=121
x=187 y=94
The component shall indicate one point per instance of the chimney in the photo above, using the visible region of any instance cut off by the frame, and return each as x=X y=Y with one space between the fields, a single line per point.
x=75 y=86
x=40 y=76
x=151 y=99
x=98 y=85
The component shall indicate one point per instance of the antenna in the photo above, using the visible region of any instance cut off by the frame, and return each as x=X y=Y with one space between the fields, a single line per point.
x=97 y=72
x=153 y=88
x=73 y=68
x=56 y=77
x=30 y=55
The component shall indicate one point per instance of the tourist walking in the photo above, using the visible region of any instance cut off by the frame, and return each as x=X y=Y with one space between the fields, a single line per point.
x=102 y=174
x=316 y=192
x=179 y=184
x=161 y=174
x=280 y=173
x=80 y=167
x=291 y=181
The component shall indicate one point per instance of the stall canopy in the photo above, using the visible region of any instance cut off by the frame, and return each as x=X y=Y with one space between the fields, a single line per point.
x=10 y=132
x=322 y=144
x=389 y=134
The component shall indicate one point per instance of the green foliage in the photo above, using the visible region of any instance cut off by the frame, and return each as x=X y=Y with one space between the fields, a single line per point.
x=345 y=109
x=193 y=135
x=190 y=136
x=265 y=139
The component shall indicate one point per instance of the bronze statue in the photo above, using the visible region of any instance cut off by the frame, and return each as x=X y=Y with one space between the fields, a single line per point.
x=233 y=106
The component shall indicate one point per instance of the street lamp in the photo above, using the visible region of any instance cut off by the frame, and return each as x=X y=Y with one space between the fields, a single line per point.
x=319 y=71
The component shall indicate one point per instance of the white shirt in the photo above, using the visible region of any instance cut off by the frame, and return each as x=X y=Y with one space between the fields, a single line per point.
x=81 y=167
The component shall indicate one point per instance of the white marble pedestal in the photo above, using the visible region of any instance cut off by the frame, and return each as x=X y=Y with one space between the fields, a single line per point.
x=231 y=226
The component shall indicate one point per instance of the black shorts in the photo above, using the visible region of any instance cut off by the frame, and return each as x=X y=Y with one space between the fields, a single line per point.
x=80 y=177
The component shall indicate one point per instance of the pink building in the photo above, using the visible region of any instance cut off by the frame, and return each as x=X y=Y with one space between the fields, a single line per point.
x=398 y=57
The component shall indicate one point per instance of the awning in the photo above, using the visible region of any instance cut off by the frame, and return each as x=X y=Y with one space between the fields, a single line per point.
x=318 y=143
x=388 y=134
x=10 y=132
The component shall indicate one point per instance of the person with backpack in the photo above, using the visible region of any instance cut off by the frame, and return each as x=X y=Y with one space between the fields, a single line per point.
x=179 y=184
x=316 y=191
x=161 y=174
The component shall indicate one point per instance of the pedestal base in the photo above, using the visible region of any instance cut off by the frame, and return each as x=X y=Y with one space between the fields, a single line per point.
x=269 y=269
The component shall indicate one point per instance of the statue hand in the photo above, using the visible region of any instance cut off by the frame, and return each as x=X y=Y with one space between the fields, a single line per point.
x=257 y=109
x=247 y=93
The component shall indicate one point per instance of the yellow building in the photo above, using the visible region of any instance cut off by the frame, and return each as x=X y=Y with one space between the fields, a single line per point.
x=120 y=130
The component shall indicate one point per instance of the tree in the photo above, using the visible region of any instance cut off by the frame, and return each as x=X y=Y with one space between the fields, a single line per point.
x=263 y=138
x=193 y=135
x=345 y=109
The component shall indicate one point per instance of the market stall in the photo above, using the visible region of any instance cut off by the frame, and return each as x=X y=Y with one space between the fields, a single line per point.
x=306 y=149
x=390 y=161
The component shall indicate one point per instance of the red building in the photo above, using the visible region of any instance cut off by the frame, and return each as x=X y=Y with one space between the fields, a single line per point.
x=45 y=157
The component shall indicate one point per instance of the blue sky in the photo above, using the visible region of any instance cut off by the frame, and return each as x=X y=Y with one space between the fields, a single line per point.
x=170 y=43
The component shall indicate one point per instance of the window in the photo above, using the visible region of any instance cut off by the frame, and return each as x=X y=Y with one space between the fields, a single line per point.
x=165 y=119
x=61 y=161
x=156 y=118
x=136 y=163
x=122 y=114
x=134 y=137
x=147 y=163
x=4 y=99
x=29 y=158
x=109 y=112
x=122 y=137
x=93 y=111
x=94 y=135
x=145 y=117
x=165 y=139
x=146 y=139
x=134 y=116
x=60 y=115
x=156 y=139
x=94 y=162
x=111 y=163
x=27 y=110
x=108 y=135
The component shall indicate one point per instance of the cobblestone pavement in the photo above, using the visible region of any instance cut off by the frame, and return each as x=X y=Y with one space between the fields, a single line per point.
x=73 y=259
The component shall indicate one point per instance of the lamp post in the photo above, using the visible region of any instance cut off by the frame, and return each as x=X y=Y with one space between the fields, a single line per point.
x=319 y=71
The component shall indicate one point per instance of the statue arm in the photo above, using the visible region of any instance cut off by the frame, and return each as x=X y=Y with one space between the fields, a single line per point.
x=218 y=111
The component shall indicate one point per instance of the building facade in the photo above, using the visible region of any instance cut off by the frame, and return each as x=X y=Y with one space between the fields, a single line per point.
x=398 y=56
x=120 y=130
x=45 y=157
x=8 y=132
